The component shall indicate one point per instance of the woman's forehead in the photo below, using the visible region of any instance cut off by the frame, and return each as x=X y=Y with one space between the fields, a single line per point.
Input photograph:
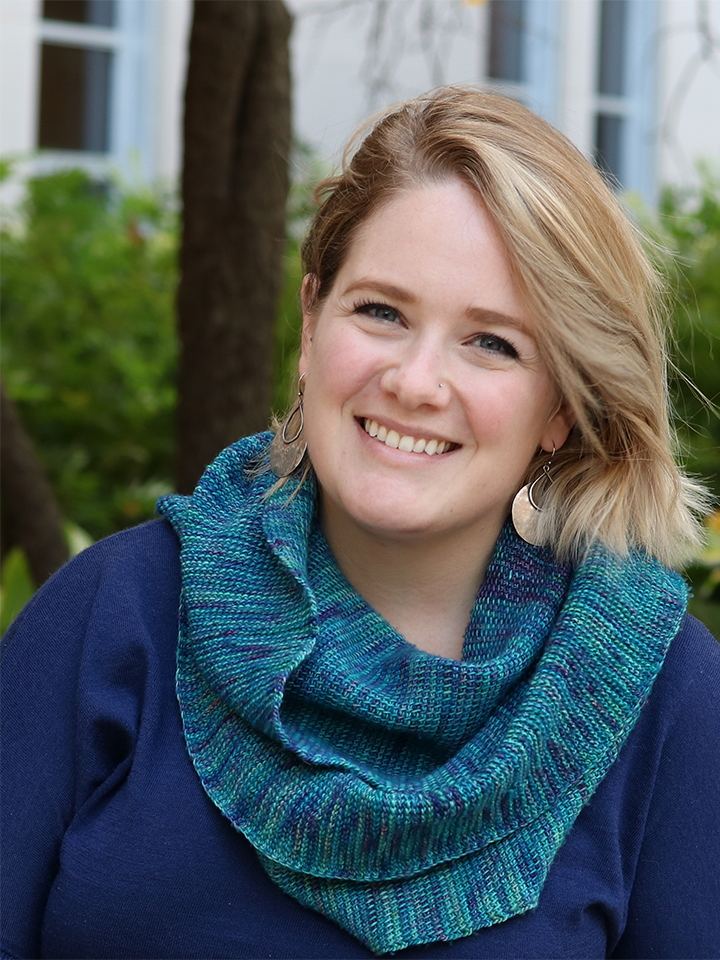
x=435 y=240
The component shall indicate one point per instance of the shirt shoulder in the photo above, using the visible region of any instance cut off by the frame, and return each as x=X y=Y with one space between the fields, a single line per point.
x=671 y=807
x=688 y=686
x=137 y=566
x=104 y=617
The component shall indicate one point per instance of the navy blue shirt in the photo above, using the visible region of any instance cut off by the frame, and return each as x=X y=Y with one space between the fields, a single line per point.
x=112 y=849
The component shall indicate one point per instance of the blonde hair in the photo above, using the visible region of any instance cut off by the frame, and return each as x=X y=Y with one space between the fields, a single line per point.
x=598 y=303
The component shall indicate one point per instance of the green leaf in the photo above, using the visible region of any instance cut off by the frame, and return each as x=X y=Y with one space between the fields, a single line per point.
x=16 y=587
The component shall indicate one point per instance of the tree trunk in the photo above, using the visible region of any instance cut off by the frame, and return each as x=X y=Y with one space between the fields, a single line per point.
x=234 y=187
x=31 y=515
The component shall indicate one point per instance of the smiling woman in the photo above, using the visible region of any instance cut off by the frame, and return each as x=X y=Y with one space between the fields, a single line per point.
x=406 y=662
x=425 y=297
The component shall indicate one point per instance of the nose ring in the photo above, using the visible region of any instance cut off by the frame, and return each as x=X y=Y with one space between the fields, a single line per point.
x=440 y=385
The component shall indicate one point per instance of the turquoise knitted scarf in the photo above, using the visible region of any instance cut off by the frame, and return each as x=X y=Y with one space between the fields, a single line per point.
x=407 y=797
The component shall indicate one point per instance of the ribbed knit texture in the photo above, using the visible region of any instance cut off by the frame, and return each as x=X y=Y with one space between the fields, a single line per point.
x=409 y=798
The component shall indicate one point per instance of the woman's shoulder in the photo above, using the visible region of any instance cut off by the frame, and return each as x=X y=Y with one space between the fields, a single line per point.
x=129 y=578
x=694 y=635
x=689 y=681
x=149 y=548
x=674 y=749
x=678 y=723
x=663 y=797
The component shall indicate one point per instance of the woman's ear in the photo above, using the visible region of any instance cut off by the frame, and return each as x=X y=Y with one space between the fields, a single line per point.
x=559 y=426
x=308 y=296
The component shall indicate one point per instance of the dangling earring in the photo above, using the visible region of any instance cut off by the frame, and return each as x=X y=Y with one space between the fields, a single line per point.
x=525 y=511
x=288 y=446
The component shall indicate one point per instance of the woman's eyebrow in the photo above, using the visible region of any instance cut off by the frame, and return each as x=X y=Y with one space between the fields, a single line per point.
x=389 y=290
x=482 y=315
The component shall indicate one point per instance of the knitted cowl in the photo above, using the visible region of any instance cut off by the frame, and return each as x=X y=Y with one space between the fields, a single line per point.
x=407 y=797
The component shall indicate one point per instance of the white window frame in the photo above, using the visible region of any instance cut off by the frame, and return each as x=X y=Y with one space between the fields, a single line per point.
x=541 y=58
x=131 y=90
x=637 y=106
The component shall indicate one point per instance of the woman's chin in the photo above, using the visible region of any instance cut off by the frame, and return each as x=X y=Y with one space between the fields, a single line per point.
x=394 y=516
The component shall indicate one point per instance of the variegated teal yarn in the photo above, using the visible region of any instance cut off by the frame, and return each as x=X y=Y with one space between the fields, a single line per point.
x=409 y=798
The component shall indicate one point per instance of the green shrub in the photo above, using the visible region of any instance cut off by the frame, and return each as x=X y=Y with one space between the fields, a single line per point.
x=301 y=209
x=88 y=285
x=288 y=331
x=689 y=224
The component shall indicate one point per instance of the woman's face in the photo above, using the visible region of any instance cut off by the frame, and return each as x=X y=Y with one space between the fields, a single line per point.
x=425 y=395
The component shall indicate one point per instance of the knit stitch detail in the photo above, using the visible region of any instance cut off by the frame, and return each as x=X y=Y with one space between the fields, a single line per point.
x=408 y=797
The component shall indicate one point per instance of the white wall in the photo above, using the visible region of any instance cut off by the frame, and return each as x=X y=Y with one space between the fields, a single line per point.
x=19 y=69
x=340 y=77
x=19 y=79
x=689 y=107
x=347 y=64
x=173 y=30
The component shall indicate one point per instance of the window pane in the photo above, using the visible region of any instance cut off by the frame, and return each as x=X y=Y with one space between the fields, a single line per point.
x=611 y=79
x=95 y=100
x=74 y=96
x=506 y=40
x=609 y=133
x=61 y=84
x=100 y=13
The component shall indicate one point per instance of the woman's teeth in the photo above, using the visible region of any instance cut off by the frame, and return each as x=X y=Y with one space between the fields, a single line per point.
x=391 y=438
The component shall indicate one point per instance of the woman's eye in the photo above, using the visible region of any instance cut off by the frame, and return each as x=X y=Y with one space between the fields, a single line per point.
x=494 y=344
x=380 y=311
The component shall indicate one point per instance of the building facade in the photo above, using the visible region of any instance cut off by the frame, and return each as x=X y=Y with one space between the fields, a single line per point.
x=634 y=83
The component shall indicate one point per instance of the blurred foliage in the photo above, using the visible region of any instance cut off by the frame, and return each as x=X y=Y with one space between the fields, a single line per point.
x=288 y=332
x=689 y=226
x=704 y=577
x=88 y=283
x=688 y=231
x=308 y=170
x=16 y=586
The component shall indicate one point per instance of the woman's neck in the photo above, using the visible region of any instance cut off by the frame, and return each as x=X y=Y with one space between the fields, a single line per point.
x=425 y=590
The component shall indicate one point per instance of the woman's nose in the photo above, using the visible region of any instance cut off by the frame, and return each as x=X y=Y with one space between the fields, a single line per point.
x=416 y=378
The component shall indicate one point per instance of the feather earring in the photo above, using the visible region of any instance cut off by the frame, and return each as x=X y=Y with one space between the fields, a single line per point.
x=289 y=446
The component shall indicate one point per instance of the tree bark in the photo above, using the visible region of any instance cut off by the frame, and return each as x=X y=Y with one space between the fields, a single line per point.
x=31 y=514
x=234 y=188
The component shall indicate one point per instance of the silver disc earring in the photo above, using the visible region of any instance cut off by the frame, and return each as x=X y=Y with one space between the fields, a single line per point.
x=525 y=510
x=288 y=446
